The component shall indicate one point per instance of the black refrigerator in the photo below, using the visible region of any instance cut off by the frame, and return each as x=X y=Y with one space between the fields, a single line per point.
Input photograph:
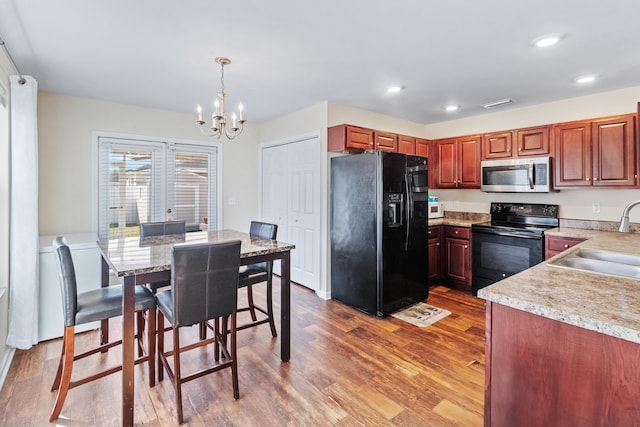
x=379 y=258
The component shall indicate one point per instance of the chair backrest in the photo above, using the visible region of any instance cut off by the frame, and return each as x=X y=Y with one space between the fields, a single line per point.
x=266 y=231
x=67 y=276
x=204 y=281
x=263 y=229
x=163 y=228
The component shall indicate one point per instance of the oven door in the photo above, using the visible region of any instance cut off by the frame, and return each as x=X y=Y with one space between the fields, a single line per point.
x=496 y=255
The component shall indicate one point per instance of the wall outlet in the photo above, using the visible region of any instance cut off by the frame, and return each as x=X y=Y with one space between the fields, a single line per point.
x=596 y=207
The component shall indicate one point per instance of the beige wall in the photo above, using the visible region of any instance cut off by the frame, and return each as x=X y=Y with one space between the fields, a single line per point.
x=339 y=114
x=65 y=127
x=6 y=69
x=573 y=203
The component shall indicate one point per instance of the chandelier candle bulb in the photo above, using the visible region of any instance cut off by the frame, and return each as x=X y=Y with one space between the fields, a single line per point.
x=199 y=109
x=240 y=108
x=233 y=119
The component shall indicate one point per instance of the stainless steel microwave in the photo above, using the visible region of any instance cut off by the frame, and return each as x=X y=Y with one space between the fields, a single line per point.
x=531 y=175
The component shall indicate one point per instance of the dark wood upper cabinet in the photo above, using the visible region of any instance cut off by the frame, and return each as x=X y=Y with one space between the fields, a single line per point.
x=533 y=141
x=349 y=138
x=423 y=148
x=596 y=153
x=406 y=144
x=524 y=142
x=385 y=141
x=572 y=154
x=614 y=151
x=497 y=145
x=458 y=162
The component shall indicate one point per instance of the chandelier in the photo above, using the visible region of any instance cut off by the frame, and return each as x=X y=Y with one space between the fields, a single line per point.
x=218 y=117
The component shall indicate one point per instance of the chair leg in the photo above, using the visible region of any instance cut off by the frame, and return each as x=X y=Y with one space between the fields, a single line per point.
x=216 y=345
x=234 y=361
x=252 y=306
x=272 y=323
x=140 y=331
x=67 y=367
x=176 y=370
x=151 y=344
x=203 y=330
x=56 y=381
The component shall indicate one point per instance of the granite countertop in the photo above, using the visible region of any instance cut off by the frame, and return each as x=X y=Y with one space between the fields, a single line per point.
x=460 y=219
x=132 y=255
x=453 y=221
x=601 y=303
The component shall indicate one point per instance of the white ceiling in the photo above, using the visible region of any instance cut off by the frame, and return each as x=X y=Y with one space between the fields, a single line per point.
x=289 y=54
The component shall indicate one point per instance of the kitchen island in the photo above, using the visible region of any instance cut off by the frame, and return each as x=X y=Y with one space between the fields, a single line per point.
x=563 y=345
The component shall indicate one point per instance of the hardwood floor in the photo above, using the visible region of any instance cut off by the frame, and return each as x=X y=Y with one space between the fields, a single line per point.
x=346 y=369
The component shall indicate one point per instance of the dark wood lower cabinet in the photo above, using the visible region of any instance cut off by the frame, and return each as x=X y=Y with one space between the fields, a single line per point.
x=435 y=254
x=541 y=372
x=457 y=257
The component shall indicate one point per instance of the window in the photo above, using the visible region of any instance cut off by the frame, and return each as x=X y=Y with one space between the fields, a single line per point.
x=144 y=181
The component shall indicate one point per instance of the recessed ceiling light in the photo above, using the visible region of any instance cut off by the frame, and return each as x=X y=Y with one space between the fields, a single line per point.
x=394 y=89
x=451 y=107
x=547 y=40
x=590 y=78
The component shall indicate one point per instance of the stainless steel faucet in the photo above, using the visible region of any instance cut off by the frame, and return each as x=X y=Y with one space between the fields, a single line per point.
x=624 y=221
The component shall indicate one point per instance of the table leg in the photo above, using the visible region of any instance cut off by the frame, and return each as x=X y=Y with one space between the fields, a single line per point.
x=285 y=307
x=104 y=324
x=128 y=339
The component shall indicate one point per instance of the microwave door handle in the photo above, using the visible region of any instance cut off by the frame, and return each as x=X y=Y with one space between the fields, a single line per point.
x=530 y=176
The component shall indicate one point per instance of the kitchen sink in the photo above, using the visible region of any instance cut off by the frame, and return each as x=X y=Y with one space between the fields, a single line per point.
x=603 y=262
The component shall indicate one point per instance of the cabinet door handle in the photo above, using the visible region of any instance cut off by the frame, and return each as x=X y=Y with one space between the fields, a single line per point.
x=566 y=245
x=466 y=247
x=595 y=178
x=587 y=179
x=438 y=244
x=456 y=231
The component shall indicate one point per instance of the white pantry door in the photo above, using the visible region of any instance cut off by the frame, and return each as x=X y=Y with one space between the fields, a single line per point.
x=291 y=199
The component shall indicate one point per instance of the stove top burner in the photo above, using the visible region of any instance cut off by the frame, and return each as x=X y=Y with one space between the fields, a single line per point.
x=520 y=218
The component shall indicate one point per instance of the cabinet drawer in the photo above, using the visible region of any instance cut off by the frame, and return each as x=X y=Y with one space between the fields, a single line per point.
x=457 y=232
x=559 y=244
x=433 y=232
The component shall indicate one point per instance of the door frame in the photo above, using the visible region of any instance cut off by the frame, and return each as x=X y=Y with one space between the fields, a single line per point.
x=318 y=217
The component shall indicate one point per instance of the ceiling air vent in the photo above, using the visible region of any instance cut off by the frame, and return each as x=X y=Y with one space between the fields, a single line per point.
x=498 y=103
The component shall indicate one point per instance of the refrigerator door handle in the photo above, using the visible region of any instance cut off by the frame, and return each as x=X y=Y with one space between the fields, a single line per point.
x=409 y=211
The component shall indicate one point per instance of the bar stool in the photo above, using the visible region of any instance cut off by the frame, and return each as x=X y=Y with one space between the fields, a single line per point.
x=257 y=273
x=90 y=306
x=204 y=286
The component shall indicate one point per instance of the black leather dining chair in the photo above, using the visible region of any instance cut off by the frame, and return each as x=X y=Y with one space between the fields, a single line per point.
x=258 y=273
x=94 y=305
x=204 y=287
x=164 y=228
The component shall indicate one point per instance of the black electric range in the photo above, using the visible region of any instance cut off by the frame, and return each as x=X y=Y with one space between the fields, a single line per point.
x=511 y=242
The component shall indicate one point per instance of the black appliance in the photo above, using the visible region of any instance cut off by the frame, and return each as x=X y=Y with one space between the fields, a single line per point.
x=379 y=231
x=511 y=242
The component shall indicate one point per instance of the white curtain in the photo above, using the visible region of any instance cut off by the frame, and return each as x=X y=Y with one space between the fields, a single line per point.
x=23 y=251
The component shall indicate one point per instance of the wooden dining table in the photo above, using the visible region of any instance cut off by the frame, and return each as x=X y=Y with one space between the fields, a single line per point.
x=137 y=261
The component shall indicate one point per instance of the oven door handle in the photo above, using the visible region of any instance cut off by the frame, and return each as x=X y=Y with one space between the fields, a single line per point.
x=507 y=234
